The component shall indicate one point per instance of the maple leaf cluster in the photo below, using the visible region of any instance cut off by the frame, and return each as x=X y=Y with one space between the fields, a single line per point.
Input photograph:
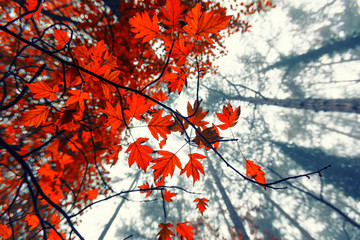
x=77 y=80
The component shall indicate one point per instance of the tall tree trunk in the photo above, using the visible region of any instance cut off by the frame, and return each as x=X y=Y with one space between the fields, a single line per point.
x=315 y=104
x=322 y=125
x=108 y=225
x=336 y=46
x=304 y=233
x=237 y=221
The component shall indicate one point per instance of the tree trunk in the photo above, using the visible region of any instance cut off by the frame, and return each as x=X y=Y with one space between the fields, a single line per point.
x=315 y=104
x=303 y=232
x=336 y=46
x=108 y=225
x=237 y=221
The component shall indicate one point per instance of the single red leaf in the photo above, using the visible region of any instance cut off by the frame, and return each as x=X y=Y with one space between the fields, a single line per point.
x=78 y=97
x=32 y=220
x=5 y=231
x=61 y=37
x=228 y=117
x=172 y=12
x=193 y=167
x=31 y=6
x=196 y=117
x=201 y=24
x=137 y=106
x=201 y=204
x=160 y=125
x=176 y=81
x=144 y=27
x=145 y=186
x=115 y=118
x=165 y=165
x=140 y=154
x=165 y=233
x=43 y=90
x=167 y=195
x=36 y=116
x=254 y=171
x=184 y=231
x=211 y=134
x=92 y=194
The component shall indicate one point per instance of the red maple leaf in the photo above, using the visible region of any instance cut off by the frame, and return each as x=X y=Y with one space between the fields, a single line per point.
x=228 y=117
x=196 y=117
x=176 y=81
x=115 y=118
x=165 y=233
x=184 y=231
x=36 y=116
x=32 y=220
x=92 y=194
x=201 y=204
x=78 y=97
x=140 y=154
x=144 y=27
x=167 y=195
x=61 y=37
x=255 y=172
x=172 y=12
x=31 y=6
x=211 y=134
x=137 y=106
x=43 y=90
x=145 y=186
x=166 y=164
x=160 y=125
x=5 y=231
x=193 y=167
x=201 y=24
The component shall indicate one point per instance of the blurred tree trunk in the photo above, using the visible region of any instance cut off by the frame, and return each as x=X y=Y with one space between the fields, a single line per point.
x=304 y=233
x=315 y=104
x=343 y=173
x=237 y=221
x=336 y=46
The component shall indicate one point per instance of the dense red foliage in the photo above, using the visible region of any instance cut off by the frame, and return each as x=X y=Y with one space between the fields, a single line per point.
x=75 y=76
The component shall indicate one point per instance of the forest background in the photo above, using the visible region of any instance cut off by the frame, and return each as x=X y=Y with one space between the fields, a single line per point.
x=273 y=75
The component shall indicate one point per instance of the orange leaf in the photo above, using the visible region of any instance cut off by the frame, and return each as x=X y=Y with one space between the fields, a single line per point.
x=31 y=6
x=255 y=172
x=140 y=154
x=211 y=135
x=92 y=194
x=160 y=125
x=184 y=231
x=115 y=119
x=5 y=231
x=137 y=106
x=79 y=98
x=36 y=116
x=201 y=204
x=166 y=164
x=201 y=24
x=172 y=12
x=176 y=81
x=198 y=116
x=193 y=167
x=32 y=220
x=145 y=186
x=167 y=195
x=144 y=27
x=43 y=90
x=61 y=37
x=229 y=117
x=165 y=233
